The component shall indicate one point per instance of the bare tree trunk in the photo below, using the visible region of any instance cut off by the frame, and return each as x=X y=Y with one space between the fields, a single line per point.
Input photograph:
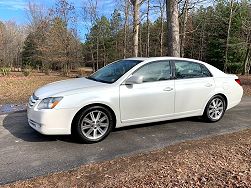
x=246 y=67
x=126 y=27
x=228 y=34
x=117 y=49
x=140 y=42
x=184 y=25
x=148 y=29
x=104 y=53
x=97 y=54
x=92 y=57
x=161 y=37
x=192 y=48
x=136 y=6
x=173 y=39
x=202 y=36
x=161 y=28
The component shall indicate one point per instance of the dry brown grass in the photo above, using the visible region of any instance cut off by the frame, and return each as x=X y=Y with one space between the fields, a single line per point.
x=246 y=84
x=17 y=88
x=220 y=161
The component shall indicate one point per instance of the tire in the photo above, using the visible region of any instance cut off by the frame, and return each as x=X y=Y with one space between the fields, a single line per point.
x=93 y=124
x=215 y=109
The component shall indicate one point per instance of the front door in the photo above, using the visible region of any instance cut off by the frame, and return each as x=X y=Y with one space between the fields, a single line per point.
x=152 y=99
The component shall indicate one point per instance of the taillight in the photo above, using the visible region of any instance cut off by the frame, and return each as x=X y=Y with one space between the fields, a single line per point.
x=238 y=81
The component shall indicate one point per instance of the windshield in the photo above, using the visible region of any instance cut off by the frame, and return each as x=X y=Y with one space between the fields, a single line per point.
x=112 y=72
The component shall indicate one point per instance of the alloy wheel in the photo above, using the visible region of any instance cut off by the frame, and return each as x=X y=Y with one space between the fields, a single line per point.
x=216 y=108
x=95 y=124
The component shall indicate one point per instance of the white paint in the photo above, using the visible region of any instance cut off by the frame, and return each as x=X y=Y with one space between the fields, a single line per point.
x=141 y=103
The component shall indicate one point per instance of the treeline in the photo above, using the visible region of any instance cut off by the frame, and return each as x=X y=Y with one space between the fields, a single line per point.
x=11 y=44
x=219 y=34
x=216 y=32
x=49 y=42
x=52 y=42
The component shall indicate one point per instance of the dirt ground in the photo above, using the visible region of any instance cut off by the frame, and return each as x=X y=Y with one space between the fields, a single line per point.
x=219 y=161
x=17 y=88
x=246 y=84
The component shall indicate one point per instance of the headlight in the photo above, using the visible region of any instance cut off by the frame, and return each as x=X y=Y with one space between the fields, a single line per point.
x=49 y=103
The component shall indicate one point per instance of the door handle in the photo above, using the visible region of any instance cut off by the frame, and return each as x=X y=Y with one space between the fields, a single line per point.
x=208 y=85
x=168 y=89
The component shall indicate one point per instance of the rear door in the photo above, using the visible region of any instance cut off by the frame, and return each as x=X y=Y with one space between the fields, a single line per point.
x=193 y=85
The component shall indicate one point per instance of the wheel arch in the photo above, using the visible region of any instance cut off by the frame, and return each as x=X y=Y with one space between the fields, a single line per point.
x=205 y=112
x=90 y=105
x=221 y=94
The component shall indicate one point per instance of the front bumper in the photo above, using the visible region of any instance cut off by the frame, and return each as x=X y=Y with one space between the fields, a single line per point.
x=51 y=121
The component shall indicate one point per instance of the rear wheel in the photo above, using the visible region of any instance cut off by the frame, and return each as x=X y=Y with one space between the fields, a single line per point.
x=94 y=124
x=215 y=109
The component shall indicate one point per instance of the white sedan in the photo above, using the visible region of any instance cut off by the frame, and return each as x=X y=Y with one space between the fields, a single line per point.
x=133 y=91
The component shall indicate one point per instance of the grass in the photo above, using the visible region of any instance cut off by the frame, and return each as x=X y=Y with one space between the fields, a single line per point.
x=219 y=161
x=17 y=88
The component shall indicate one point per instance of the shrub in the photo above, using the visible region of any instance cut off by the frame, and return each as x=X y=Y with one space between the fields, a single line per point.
x=47 y=72
x=5 y=71
x=234 y=68
x=27 y=70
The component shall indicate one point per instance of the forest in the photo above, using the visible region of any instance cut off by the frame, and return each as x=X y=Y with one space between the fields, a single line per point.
x=217 y=32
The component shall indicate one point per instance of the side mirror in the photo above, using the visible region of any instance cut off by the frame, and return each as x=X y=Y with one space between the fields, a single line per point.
x=134 y=80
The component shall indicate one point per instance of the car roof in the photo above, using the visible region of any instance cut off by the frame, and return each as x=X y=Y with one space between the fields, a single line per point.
x=162 y=58
x=137 y=58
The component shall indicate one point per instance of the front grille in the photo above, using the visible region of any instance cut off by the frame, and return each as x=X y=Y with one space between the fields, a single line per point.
x=32 y=101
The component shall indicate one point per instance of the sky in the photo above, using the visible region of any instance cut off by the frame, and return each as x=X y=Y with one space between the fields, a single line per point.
x=16 y=10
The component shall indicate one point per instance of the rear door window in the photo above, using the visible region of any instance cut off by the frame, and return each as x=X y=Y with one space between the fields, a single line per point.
x=186 y=69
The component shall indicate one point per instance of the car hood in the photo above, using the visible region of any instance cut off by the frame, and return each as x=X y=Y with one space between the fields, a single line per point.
x=56 y=88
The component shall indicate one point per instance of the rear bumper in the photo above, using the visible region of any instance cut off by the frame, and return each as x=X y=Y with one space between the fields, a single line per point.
x=51 y=121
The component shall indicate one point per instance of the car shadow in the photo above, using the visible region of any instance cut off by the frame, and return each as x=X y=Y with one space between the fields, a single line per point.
x=16 y=124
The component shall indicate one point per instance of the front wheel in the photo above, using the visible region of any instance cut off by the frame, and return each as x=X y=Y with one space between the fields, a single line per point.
x=215 y=109
x=93 y=124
